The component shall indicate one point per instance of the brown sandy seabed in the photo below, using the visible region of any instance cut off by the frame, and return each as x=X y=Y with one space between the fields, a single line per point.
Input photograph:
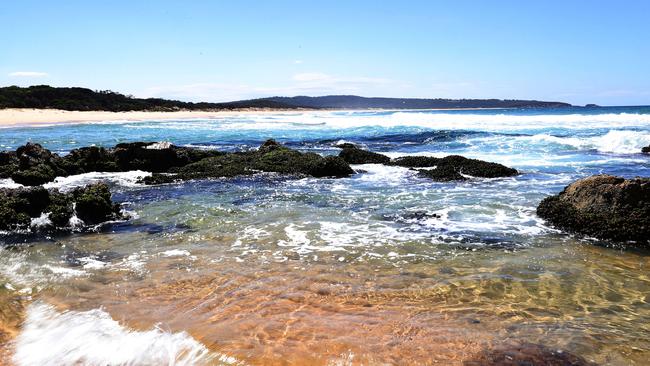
x=324 y=313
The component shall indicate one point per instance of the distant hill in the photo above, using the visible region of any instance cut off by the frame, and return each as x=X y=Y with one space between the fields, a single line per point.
x=356 y=102
x=82 y=99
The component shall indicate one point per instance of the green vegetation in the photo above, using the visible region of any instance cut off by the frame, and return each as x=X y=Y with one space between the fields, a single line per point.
x=82 y=99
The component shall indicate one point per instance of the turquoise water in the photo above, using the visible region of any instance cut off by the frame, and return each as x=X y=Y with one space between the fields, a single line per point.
x=270 y=269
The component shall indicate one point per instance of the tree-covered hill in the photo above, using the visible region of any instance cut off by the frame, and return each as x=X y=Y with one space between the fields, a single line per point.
x=356 y=102
x=82 y=99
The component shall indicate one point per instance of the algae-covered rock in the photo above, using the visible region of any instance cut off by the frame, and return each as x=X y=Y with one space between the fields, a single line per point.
x=444 y=173
x=330 y=166
x=415 y=161
x=455 y=167
x=33 y=165
x=90 y=159
x=36 y=165
x=271 y=157
x=346 y=145
x=354 y=155
x=602 y=206
x=92 y=204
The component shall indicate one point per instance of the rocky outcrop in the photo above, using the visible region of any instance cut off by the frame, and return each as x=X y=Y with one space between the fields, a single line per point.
x=415 y=161
x=32 y=165
x=602 y=206
x=54 y=210
x=354 y=155
x=458 y=168
x=346 y=145
x=270 y=157
x=449 y=168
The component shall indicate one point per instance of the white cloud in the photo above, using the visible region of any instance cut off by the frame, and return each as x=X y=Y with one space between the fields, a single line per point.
x=297 y=62
x=28 y=74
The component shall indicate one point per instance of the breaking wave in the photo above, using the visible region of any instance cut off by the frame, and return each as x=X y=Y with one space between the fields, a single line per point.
x=92 y=337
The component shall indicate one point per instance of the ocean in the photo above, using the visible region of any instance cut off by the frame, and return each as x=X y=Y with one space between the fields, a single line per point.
x=384 y=267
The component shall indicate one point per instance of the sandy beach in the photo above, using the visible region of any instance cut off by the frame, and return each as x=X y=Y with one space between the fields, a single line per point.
x=27 y=117
x=11 y=117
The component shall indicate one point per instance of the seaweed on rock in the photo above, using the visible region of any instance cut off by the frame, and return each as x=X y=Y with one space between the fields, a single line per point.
x=271 y=157
x=354 y=155
x=91 y=204
x=602 y=206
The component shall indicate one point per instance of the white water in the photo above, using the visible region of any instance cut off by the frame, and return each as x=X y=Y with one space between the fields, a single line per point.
x=443 y=121
x=124 y=179
x=93 y=338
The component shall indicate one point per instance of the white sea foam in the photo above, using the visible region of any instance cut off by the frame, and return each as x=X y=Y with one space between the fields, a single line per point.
x=159 y=145
x=614 y=141
x=24 y=270
x=176 y=253
x=426 y=119
x=388 y=175
x=126 y=179
x=622 y=142
x=41 y=221
x=49 y=337
x=9 y=183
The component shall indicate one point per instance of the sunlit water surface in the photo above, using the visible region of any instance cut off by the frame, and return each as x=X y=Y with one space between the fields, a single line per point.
x=288 y=270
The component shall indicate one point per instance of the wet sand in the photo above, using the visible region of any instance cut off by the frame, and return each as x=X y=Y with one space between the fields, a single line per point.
x=38 y=117
x=25 y=117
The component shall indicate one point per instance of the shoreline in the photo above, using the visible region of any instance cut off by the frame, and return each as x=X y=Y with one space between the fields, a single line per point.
x=28 y=117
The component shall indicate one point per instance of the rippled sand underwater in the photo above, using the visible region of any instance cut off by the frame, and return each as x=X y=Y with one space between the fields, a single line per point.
x=270 y=270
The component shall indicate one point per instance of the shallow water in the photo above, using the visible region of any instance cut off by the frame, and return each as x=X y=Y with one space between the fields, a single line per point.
x=282 y=270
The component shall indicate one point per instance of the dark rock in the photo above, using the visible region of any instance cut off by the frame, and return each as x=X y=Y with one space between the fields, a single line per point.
x=455 y=167
x=8 y=163
x=520 y=354
x=331 y=166
x=269 y=145
x=444 y=173
x=271 y=158
x=90 y=159
x=33 y=165
x=156 y=157
x=358 y=156
x=415 y=161
x=92 y=204
x=61 y=209
x=602 y=206
x=36 y=165
x=346 y=145
x=646 y=150
x=412 y=216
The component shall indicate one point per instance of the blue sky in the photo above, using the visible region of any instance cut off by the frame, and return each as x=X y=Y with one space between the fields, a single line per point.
x=575 y=51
